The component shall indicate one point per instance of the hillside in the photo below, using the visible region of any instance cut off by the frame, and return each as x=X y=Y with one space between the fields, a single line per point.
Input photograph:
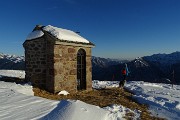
x=165 y=62
x=11 y=62
x=155 y=68
x=100 y=67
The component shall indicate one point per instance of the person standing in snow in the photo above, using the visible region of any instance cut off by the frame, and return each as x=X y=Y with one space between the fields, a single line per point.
x=125 y=73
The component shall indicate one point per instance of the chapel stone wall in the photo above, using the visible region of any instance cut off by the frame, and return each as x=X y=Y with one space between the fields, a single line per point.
x=65 y=68
x=35 y=62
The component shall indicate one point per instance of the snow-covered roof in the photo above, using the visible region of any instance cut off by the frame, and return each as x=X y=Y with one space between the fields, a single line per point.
x=35 y=34
x=59 y=33
x=64 y=34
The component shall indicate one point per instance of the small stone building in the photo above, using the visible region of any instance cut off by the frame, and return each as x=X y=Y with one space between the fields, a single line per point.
x=58 y=59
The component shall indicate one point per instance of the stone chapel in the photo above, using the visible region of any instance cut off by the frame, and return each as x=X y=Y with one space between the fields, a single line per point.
x=58 y=59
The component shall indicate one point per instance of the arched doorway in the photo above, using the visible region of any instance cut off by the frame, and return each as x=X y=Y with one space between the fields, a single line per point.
x=81 y=69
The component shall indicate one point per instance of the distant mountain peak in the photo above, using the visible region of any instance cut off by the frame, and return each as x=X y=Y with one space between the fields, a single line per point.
x=11 y=62
x=105 y=62
x=167 y=59
x=139 y=62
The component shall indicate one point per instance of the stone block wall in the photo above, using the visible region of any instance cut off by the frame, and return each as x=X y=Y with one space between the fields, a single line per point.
x=65 y=68
x=50 y=66
x=35 y=62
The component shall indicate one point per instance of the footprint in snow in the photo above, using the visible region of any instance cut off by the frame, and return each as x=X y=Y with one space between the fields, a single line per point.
x=84 y=109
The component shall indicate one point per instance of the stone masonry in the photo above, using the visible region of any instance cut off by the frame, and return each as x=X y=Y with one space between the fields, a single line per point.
x=35 y=62
x=65 y=68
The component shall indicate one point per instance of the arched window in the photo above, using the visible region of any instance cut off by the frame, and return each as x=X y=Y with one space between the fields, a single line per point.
x=81 y=69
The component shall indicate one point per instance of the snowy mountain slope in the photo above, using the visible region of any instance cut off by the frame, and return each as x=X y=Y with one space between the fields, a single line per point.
x=164 y=61
x=164 y=58
x=100 y=67
x=11 y=62
x=140 y=62
x=155 y=68
x=141 y=70
x=105 y=62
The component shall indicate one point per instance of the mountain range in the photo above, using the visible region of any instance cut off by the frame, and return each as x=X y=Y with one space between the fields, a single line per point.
x=12 y=62
x=155 y=68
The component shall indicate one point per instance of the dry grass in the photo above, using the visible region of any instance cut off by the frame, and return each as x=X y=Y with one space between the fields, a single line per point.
x=103 y=98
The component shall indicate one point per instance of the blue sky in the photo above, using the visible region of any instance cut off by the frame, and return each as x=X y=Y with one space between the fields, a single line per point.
x=118 y=28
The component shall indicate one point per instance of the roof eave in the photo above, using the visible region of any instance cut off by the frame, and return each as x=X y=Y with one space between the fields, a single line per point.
x=67 y=42
x=78 y=44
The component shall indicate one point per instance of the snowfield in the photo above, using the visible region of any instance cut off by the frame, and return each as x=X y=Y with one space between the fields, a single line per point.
x=17 y=102
x=12 y=73
x=163 y=99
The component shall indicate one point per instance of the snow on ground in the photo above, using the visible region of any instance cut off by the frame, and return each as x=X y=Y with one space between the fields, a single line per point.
x=77 y=110
x=63 y=92
x=13 y=73
x=17 y=106
x=163 y=100
x=18 y=103
x=25 y=89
